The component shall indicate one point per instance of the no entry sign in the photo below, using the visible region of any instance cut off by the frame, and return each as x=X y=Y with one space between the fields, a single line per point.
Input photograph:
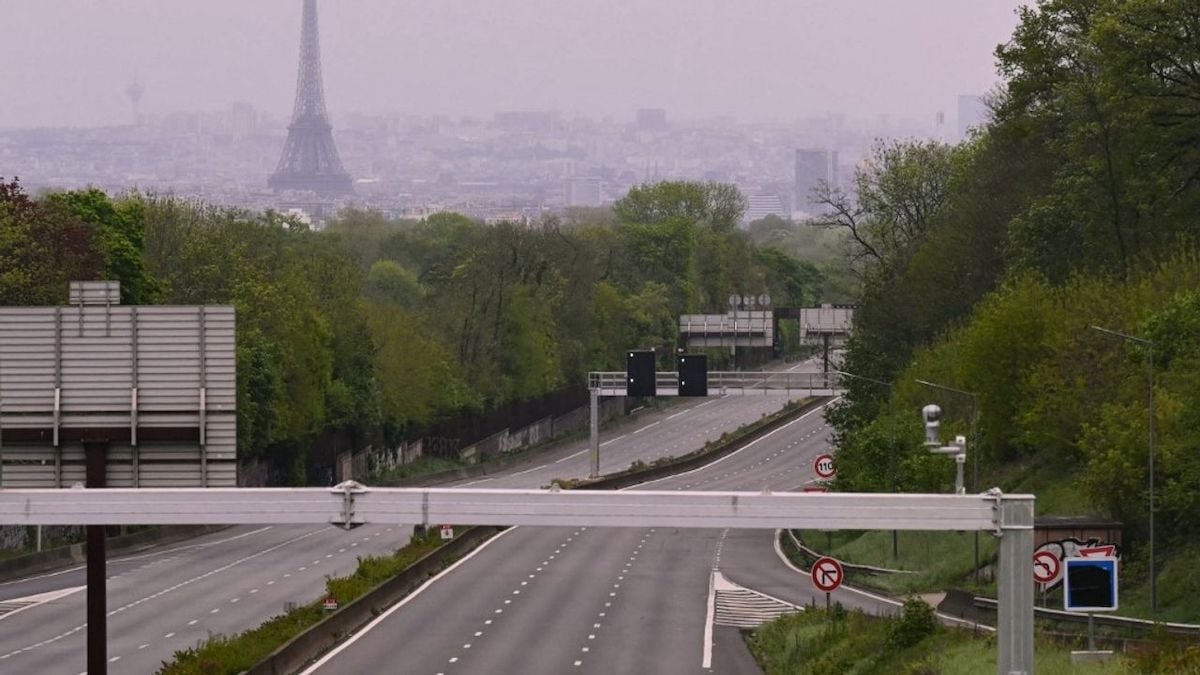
x=827 y=574
x=823 y=466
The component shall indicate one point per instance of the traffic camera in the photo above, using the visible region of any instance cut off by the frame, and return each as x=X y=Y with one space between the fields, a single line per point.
x=933 y=423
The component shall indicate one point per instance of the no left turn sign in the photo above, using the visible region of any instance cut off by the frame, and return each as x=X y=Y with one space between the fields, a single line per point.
x=1046 y=567
x=823 y=466
x=827 y=574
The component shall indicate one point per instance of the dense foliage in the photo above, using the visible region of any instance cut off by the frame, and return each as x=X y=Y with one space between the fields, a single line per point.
x=985 y=264
x=377 y=324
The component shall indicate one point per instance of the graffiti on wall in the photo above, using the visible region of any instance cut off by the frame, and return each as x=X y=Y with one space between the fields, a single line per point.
x=1070 y=548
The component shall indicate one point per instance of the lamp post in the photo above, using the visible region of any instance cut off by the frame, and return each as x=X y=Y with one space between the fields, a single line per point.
x=975 y=453
x=892 y=430
x=1150 y=405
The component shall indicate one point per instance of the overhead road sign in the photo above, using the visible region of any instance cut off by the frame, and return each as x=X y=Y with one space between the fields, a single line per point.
x=827 y=574
x=640 y=373
x=156 y=383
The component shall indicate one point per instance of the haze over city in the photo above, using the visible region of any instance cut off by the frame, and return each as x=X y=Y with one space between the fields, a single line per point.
x=68 y=63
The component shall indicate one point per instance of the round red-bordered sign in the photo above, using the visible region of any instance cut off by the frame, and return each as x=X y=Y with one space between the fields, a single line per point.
x=827 y=574
x=823 y=466
x=1046 y=567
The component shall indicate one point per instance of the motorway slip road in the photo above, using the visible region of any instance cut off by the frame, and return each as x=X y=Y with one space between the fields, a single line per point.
x=567 y=600
x=167 y=600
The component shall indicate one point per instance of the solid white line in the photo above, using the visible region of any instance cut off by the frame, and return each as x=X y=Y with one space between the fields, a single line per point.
x=647 y=427
x=379 y=619
x=706 y=659
x=560 y=461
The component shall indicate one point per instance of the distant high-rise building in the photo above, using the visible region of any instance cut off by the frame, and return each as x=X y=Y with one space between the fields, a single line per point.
x=812 y=168
x=310 y=160
x=581 y=191
x=651 y=119
x=972 y=112
x=528 y=120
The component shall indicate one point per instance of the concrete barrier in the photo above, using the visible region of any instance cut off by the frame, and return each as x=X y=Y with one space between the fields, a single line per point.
x=315 y=641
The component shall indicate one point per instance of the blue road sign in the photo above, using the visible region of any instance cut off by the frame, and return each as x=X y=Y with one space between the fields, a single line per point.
x=1090 y=584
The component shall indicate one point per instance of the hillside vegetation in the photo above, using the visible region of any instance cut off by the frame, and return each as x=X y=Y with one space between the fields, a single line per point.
x=984 y=266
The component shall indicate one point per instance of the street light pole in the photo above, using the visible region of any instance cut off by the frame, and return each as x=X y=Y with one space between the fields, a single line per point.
x=975 y=449
x=1150 y=407
x=892 y=430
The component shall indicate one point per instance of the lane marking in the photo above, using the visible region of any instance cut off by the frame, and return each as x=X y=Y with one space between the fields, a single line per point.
x=411 y=596
x=560 y=461
x=142 y=556
x=652 y=424
x=614 y=440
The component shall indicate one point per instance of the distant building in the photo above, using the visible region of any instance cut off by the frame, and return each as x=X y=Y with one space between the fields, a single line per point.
x=972 y=112
x=761 y=206
x=528 y=120
x=652 y=119
x=581 y=191
x=812 y=168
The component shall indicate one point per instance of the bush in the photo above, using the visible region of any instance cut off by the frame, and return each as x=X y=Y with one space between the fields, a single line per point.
x=917 y=622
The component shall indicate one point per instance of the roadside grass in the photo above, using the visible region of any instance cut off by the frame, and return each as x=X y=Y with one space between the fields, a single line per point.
x=816 y=642
x=938 y=560
x=943 y=560
x=238 y=653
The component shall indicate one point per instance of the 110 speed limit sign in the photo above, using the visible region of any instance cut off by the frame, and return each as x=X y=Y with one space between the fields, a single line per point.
x=823 y=466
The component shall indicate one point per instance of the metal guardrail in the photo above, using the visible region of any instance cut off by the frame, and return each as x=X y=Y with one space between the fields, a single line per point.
x=726 y=382
x=1189 y=629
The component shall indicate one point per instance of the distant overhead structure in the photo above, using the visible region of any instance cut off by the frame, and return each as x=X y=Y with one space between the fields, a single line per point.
x=310 y=160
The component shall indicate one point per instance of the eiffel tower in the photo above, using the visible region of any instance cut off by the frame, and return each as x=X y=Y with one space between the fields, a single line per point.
x=310 y=160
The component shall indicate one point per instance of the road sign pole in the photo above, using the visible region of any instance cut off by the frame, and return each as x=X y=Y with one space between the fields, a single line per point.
x=97 y=614
x=1014 y=587
x=827 y=604
x=594 y=435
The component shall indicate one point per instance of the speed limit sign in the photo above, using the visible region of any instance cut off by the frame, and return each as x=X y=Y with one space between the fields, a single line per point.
x=823 y=466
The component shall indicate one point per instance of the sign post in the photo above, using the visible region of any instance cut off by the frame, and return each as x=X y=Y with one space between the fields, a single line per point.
x=1090 y=585
x=827 y=575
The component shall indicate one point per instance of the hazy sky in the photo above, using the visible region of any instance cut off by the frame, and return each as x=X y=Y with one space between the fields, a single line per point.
x=68 y=62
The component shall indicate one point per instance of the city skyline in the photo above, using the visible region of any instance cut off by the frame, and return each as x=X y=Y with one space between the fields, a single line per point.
x=775 y=61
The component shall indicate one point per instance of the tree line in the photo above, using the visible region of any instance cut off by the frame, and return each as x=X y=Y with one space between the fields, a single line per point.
x=384 y=327
x=984 y=266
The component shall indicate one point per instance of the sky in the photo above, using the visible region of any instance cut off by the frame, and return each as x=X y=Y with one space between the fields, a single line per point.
x=68 y=62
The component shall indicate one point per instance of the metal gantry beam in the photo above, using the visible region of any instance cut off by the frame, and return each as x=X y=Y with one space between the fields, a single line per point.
x=357 y=504
x=735 y=383
x=1010 y=517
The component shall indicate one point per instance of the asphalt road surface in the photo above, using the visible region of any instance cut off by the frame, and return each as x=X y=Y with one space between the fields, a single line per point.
x=628 y=600
x=171 y=599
